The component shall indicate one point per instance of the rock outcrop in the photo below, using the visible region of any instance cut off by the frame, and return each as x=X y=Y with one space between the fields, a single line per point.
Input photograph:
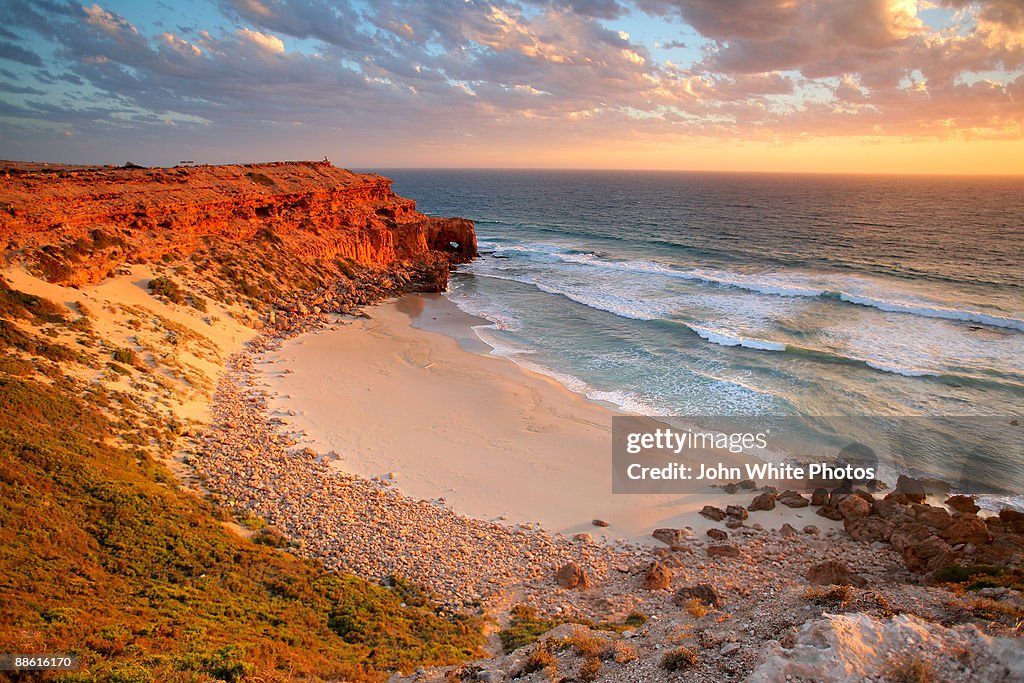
x=76 y=225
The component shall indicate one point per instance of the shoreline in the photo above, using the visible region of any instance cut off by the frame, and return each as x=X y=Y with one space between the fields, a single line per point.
x=495 y=440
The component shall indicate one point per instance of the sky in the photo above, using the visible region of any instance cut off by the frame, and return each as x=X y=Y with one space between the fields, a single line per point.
x=892 y=86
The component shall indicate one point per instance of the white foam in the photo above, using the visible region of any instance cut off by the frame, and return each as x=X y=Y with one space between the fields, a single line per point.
x=727 y=339
x=796 y=285
x=896 y=370
x=934 y=311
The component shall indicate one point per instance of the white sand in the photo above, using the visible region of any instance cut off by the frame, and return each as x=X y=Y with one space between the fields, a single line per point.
x=491 y=438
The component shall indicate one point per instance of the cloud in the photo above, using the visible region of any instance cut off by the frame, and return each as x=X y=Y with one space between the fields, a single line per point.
x=16 y=53
x=271 y=44
x=536 y=71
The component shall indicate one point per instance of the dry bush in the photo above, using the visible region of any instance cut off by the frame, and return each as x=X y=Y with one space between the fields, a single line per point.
x=679 y=659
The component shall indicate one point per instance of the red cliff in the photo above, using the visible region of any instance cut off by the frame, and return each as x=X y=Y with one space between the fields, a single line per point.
x=76 y=225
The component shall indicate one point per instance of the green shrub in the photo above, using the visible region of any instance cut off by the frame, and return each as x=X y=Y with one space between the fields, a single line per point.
x=166 y=288
x=125 y=355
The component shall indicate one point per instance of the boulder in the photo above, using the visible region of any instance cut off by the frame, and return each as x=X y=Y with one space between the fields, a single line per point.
x=670 y=537
x=833 y=572
x=905 y=535
x=928 y=555
x=897 y=498
x=793 y=499
x=962 y=503
x=854 y=507
x=913 y=489
x=737 y=511
x=571 y=575
x=713 y=513
x=967 y=528
x=787 y=530
x=733 y=523
x=717 y=534
x=868 y=529
x=702 y=591
x=723 y=550
x=748 y=484
x=819 y=497
x=829 y=512
x=762 y=501
x=935 y=517
x=837 y=494
x=1012 y=520
x=657 y=577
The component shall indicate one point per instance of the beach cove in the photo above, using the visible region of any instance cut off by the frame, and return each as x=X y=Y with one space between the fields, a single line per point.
x=410 y=395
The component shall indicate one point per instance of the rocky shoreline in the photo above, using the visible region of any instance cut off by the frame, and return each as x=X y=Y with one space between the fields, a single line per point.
x=740 y=599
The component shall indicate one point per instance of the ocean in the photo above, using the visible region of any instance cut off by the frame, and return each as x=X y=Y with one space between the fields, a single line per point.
x=675 y=293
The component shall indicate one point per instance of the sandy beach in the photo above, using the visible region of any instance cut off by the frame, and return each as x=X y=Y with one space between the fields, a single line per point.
x=411 y=392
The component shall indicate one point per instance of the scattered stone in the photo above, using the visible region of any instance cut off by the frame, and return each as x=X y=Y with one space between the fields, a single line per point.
x=748 y=484
x=763 y=501
x=731 y=487
x=599 y=522
x=723 y=550
x=729 y=648
x=583 y=537
x=787 y=530
x=718 y=534
x=819 y=496
x=812 y=530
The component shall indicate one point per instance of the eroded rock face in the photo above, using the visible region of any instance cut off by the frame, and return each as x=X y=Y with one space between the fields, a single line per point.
x=76 y=225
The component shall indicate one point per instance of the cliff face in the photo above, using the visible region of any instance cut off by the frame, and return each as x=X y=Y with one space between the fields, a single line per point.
x=76 y=225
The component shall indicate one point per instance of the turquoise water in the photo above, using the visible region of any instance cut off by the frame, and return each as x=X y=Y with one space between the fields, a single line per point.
x=723 y=294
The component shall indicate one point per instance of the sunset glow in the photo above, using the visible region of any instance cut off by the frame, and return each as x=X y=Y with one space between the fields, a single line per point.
x=897 y=86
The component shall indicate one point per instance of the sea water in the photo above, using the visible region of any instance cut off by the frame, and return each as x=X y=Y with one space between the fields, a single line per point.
x=672 y=293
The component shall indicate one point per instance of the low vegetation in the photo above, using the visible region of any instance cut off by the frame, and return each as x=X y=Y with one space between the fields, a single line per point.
x=679 y=659
x=526 y=626
x=166 y=288
x=105 y=556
